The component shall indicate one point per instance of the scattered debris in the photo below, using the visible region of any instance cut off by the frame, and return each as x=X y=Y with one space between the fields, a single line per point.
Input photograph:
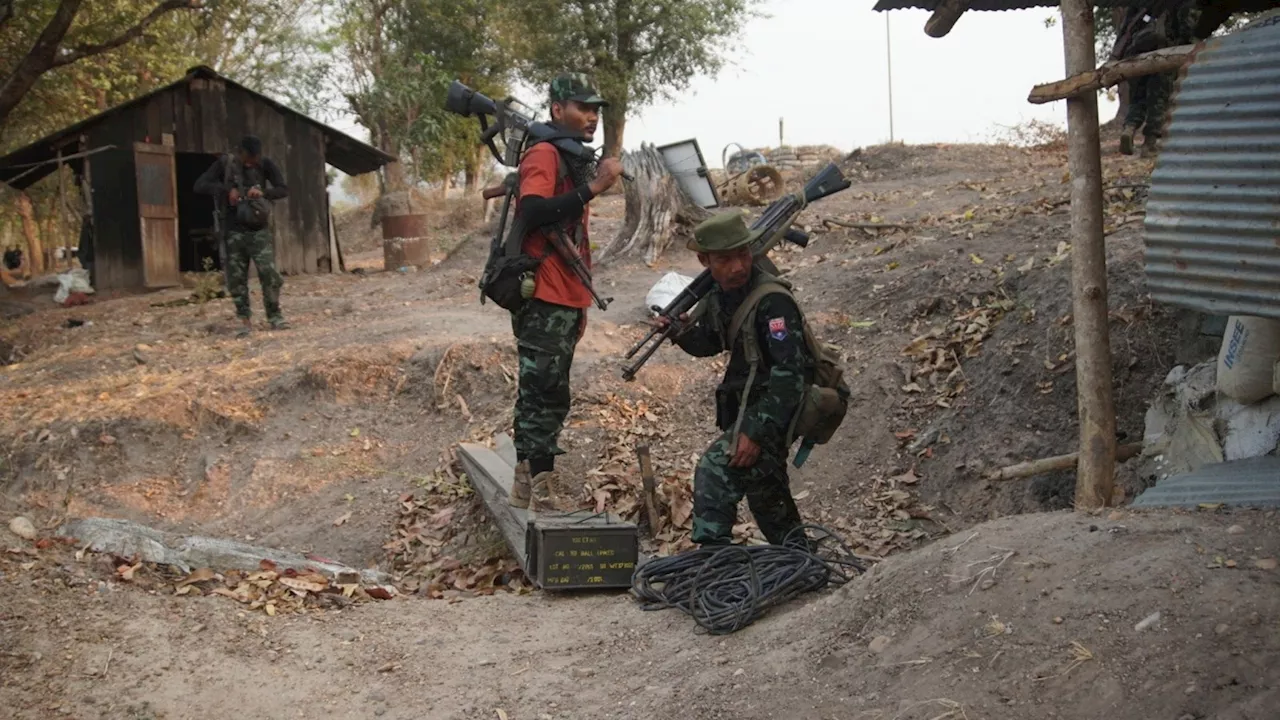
x=23 y=528
x=1146 y=622
x=122 y=538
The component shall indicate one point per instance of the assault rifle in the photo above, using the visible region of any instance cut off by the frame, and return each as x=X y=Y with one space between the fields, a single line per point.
x=776 y=222
x=513 y=122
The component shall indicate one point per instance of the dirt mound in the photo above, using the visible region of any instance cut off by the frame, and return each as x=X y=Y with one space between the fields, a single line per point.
x=1059 y=615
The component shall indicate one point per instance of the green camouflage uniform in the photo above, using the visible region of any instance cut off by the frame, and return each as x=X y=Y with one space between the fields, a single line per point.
x=546 y=337
x=243 y=243
x=1149 y=94
x=256 y=246
x=785 y=369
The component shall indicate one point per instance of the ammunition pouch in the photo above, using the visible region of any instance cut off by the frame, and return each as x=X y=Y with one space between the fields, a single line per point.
x=505 y=274
x=825 y=402
x=727 y=400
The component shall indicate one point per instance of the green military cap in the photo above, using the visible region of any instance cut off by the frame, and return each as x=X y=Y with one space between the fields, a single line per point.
x=723 y=231
x=575 y=86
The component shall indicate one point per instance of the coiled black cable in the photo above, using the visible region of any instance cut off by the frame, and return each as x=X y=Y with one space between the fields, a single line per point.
x=726 y=588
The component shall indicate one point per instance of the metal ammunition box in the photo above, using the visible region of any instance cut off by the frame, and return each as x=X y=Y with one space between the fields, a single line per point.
x=580 y=550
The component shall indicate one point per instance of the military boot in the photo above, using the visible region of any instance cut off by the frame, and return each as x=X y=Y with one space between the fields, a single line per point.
x=543 y=495
x=1126 y=139
x=520 y=486
x=1150 y=146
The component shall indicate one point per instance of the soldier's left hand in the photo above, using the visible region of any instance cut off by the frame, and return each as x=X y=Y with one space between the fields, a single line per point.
x=747 y=455
x=254 y=192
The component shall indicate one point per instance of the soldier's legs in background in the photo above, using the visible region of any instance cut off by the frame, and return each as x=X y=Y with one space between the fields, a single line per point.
x=546 y=336
x=1136 y=115
x=222 y=262
x=264 y=259
x=1158 y=89
x=238 y=257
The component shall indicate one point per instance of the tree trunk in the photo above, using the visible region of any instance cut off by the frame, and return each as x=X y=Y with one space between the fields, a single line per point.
x=615 y=124
x=656 y=206
x=1095 y=476
x=472 y=171
x=31 y=229
x=39 y=59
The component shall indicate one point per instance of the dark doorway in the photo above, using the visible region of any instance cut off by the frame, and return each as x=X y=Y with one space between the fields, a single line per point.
x=197 y=238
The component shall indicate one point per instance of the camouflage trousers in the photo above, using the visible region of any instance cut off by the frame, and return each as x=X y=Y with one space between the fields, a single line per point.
x=546 y=337
x=717 y=489
x=257 y=247
x=1148 y=100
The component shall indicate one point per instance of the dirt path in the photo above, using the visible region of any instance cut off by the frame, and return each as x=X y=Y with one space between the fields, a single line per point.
x=1024 y=617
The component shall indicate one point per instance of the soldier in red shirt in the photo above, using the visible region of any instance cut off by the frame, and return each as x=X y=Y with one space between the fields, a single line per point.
x=549 y=324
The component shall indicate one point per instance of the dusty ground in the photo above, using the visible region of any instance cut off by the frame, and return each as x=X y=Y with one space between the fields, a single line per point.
x=335 y=438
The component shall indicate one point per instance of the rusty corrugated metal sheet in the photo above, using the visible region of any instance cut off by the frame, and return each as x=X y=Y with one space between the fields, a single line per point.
x=1213 y=215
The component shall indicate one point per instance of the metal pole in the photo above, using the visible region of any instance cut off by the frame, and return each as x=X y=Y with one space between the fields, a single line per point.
x=888 y=52
x=1095 y=474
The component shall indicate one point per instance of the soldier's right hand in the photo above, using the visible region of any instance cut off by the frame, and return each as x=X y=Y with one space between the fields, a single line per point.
x=662 y=321
x=234 y=196
x=607 y=173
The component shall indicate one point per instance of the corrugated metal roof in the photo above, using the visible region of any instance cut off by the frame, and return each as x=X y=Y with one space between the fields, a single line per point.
x=343 y=151
x=989 y=5
x=1213 y=214
x=1243 y=483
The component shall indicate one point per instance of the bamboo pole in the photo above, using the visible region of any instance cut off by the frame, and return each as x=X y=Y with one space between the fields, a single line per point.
x=1031 y=468
x=1095 y=473
x=1113 y=73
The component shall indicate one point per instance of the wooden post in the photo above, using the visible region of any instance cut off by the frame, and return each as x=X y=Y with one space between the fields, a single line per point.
x=1095 y=472
x=944 y=17
x=650 y=487
x=780 y=143
x=1113 y=73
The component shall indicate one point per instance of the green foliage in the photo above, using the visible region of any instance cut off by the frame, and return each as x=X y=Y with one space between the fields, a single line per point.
x=72 y=92
x=637 y=51
x=263 y=44
x=271 y=46
x=402 y=56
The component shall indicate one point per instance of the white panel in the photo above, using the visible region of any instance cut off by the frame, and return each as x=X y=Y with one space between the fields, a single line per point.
x=684 y=161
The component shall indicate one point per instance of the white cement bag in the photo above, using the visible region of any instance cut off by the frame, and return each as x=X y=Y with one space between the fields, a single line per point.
x=671 y=284
x=1250 y=348
x=76 y=280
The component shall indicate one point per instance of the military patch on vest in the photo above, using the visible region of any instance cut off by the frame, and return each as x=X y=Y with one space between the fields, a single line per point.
x=778 y=328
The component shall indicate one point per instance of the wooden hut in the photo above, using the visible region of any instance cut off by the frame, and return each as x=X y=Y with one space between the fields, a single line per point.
x=140 y=161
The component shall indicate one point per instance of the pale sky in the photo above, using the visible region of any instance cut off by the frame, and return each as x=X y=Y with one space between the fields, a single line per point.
x=821 y=65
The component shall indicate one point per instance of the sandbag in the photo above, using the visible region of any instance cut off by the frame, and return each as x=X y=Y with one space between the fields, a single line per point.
x=666 y=290
x=1246 y=362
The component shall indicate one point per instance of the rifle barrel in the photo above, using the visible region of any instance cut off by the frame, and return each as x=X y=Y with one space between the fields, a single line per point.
x=775 y=222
